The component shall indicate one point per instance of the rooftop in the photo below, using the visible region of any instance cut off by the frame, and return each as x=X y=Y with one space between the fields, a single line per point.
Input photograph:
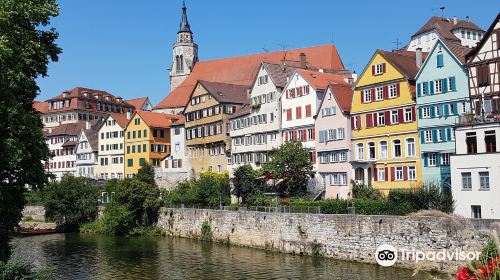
x=445 y=26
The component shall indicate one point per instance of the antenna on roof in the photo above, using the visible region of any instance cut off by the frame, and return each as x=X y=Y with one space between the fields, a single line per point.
x=283 y=48
x=397 y=43
x=265 y=48
x=442 y=11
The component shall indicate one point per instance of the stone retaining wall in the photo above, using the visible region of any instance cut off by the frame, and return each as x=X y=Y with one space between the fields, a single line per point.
x=346 y=237
x=35 y=212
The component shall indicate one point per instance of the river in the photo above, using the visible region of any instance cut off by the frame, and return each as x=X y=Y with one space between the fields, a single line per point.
x=85 y=256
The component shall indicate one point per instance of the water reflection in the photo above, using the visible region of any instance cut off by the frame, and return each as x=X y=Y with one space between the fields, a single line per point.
x=80 y=256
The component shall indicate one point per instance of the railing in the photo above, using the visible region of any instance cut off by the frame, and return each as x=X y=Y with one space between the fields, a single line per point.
x=473 y=119
x=267 y=209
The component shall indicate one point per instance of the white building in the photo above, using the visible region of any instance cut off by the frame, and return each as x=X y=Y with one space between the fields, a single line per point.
x=255 y=130
x=110 y=164
x=464 y=32
x=86 y=152
x=475 y=170
x=62 y=142
x=175 y=167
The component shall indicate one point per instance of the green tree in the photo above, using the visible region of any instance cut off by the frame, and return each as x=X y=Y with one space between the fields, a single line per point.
x=245 y=182
x=19 y=269
x=290 y=166
x=146 y=174
x=70 y=202
x=26 y=47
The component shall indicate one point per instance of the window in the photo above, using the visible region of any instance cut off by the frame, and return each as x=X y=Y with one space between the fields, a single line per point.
x=338 y=179
x=383 y=150
x=431 y=159
x=399 y=173
x=468 y=34
x=130 y=162
x=484 y=180
x=396 y=152
x=438 y=86
x=428 y=136
x=360 y=150
x=394 y=117
x=440 y=61
x=410 y=147
x=298 y=112
x=483 y=75
x=476 y=211
x=379 y=93
x=340 y=133
x=490 y=141
x=393 y=91
x=380 y=118
x=371 y=150
x=408 y=115
x=439 y=135
x=379 y=68
x=367 y=96
x=445 y=159
x=380 y=174
x=426 y=112
x=436 y=111
x=471 y=142
x=412 y=173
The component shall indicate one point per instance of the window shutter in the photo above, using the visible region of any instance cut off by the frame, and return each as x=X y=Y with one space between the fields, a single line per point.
x=294 y=135
x=289 y=114
x=445 y=85
x=369 y=120
x=286 y=136
x=300 y=91
x=386 y=173
x=477 y=107
x=314 y=156
x=440 y=60
x=445 y=110
x=393 y=174
x=433 y=111
x=304 y=135
x=313 y=134
x=398 y=89
x=358 y=122
x=431 y=87
x=448 y=134
x=362 y=94
x=386 y=92
x=420 y=113
x=308 y=110
x=352 y=123
x=373 y=70
x=383 y=67
x=434 y=136
x=419 y=89
x=422 y=136
x=401 y=117
x=443 y=134
x=372 y=92
x=413 y=114
x=298 y=112
x=387 y=117
x=438 y=159
x=375 y=120
x=453 y=85
x=405 y=173
x=375 y=174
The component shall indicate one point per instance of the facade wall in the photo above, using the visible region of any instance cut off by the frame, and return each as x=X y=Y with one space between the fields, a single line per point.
x=175 y=167
x=86 y=157
x=111 y=159
x=439 y=112
x=398 y=165
x=331 y=167
x=64 y=159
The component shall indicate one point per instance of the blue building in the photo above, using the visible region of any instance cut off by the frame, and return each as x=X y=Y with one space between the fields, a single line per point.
x=442 y=96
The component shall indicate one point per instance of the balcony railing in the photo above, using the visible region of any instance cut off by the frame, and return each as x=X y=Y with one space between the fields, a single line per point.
x=473 y=119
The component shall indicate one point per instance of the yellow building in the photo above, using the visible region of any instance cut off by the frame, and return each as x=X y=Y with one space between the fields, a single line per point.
x=206 y=121
x=384 y=122
x=147 y=140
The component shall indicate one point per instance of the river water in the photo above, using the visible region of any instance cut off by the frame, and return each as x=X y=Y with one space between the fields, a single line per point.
x=85 y=256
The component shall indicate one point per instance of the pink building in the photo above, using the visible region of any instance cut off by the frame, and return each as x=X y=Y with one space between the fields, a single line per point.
x=333 y=141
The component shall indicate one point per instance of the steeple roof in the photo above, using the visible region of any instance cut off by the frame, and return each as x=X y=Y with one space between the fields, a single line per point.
x=184 y=25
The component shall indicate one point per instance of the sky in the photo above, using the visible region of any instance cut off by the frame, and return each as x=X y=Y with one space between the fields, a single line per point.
x=125 y=47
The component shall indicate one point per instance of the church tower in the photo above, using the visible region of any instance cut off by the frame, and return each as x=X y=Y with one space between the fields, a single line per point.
x=184 y=54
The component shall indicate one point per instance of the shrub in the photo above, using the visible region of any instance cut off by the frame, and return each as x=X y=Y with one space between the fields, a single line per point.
x=71 y=202
x=146 y=174
x=206 y=231
x=260 y=199
x=34 y=197
x=245 y=183
x=117 y=220
x=364 y=191
x=19 y=269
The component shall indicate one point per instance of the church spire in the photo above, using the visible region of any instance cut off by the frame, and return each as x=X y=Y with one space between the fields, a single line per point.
x=184 y=25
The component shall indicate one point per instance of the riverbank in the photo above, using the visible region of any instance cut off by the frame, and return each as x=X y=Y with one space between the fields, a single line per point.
x=342 y=237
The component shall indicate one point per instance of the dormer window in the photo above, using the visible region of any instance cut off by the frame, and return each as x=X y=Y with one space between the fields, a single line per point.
x=378 y=69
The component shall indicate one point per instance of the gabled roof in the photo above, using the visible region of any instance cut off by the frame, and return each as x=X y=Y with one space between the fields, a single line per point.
x=72 y=129
x=279 y=73
x=158 y=120
x=444 y=27
x=404 y=61
x=319 y=80
x=121 y=119
x=343 y=94
x=41 y=106
x=243 y=110
x=92 y=137
x=241 y=70
x=138 y=103
x=483 y=40
x=226 y=93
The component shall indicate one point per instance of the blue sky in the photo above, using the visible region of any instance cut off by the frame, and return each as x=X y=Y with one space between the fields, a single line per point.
x=124 y=47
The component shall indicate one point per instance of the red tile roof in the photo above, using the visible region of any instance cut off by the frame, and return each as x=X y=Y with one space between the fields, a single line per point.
x=41 y=106
x=444 y=27
x=80 y=94
x=404 y=61
x=457 y=49
x=343 y=94
x=121 y=119
x=241 y=70
x=321 y=80
x=138 y=103
x=159 y=120
x=71 y=128
x=226 y=93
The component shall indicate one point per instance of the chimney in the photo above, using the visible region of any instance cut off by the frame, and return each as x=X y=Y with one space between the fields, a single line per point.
x=455 y=20
x=418 y=57
x=129 y=115
x=87 y=125
x=302 y=60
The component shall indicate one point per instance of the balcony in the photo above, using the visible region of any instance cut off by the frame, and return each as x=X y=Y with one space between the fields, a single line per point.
x=466 y=120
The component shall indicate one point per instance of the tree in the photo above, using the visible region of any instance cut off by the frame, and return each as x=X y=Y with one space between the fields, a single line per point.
x=290 y=167
x=26 y=47
x=245 y=182
x=146 y=174
x=71 y=202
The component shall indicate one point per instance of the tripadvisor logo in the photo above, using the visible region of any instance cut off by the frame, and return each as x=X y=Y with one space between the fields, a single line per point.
x=387 y=255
